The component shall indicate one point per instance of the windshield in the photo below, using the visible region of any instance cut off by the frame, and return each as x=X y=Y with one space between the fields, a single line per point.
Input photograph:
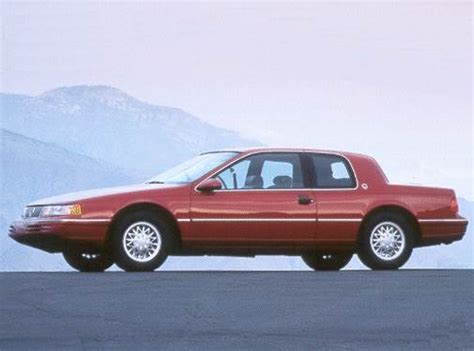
x=193 y=169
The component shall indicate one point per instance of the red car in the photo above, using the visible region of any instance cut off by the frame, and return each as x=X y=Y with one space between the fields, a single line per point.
x=321 y=205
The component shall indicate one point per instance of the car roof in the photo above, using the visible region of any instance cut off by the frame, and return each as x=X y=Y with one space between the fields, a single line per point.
x=256 y=149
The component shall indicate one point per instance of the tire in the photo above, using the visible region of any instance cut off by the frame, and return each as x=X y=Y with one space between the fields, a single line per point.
x=84 y=261
x=386 y=242
x=320 y=261
x=141 y=241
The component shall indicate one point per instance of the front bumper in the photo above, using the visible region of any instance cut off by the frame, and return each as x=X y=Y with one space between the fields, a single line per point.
x=52 y=235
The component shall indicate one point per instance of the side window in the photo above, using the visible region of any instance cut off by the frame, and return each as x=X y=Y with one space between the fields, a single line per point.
x=281 y=171
x=332 y=171
x=264 y=171
x=234 y=177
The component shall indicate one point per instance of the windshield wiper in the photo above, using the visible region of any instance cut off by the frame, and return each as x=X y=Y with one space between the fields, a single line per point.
x=155 y=182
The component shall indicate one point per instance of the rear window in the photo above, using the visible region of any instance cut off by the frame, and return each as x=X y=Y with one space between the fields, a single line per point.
x=332 y=172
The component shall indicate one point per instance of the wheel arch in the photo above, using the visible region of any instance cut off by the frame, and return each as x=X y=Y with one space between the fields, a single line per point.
x=411 y=218
x=146 y=206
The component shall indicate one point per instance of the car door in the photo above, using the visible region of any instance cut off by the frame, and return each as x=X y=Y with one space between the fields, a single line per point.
x=338 y=201
x=264 y=202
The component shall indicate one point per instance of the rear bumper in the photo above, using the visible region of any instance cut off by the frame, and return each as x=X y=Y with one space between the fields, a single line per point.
x=52 y=235
x=442 y=231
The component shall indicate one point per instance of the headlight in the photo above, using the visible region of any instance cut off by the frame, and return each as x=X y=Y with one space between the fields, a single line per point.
x=52 y=211
x=60 y=210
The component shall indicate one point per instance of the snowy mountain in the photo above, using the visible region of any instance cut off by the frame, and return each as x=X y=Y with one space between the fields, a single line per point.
x=106 y=124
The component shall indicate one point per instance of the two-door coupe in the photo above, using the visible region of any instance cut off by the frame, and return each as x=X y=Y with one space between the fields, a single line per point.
x=321 y=205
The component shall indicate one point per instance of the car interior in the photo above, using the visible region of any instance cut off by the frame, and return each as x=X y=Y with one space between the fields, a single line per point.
x=284 y=171
x=331 y=173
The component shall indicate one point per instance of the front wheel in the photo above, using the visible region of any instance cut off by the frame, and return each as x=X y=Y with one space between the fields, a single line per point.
x=386 y=242
x=141 y=241
x=84 y=261
x=320 y=261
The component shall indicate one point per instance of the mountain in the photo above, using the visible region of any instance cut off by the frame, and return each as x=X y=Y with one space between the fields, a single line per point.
x=32 y=169
x=107 y=124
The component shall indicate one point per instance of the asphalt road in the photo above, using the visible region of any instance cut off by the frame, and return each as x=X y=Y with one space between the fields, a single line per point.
x=238 y=310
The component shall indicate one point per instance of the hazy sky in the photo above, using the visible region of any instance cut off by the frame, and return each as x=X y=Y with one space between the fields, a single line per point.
x=390 y=79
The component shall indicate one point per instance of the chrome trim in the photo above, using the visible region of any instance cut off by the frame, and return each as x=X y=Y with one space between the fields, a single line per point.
x=254 y=220
x=301 y=151
x=66 y=220
x=442 y=220
x=339 y=219
x=355 y=220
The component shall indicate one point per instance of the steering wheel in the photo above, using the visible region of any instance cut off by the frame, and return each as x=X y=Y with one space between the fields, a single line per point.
x=224 y=185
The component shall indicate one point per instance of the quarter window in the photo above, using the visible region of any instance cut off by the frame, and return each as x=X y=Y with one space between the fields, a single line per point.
x=264 y=171
x=332 y=171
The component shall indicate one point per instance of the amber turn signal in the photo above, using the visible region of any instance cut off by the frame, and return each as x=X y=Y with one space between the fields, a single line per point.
x=75 y=210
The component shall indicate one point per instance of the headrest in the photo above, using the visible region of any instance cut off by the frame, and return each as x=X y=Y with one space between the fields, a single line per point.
x=283 y=181
x=254 y=182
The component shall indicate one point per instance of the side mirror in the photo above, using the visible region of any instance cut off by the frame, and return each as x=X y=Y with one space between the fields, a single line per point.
x=209 y=185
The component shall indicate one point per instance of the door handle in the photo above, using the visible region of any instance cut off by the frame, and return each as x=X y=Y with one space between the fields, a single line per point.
x=305 y=200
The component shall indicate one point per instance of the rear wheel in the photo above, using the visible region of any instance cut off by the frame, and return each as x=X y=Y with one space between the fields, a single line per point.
x=85 y=261
x=386 y=242
x=141 y=241
x=321 y=261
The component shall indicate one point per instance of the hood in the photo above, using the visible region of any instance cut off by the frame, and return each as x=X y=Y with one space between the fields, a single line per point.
x=84 y=195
